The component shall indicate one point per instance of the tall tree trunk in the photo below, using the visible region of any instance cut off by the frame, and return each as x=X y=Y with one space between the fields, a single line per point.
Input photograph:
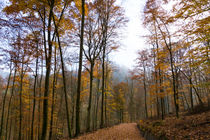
x=169 y=47
x=160 y=83
x=145 y=91
x=106 y=80
x=161 y=91
x=20 y=101
x=156 y=75
x=80 y=70
x=90 y=96
x=104 y=43
x=10 y=100
x=34 y=96
x=94 y=111
x=105 y=107
x=40 y=95
x=73 y=117
x=97 y=100
x=63 y=70
x=73 y=85
x=103 y=84
x=53 y=95
x=45 y=103
x=64 y=84
x=40 y=87
x=156 y=91
x=174 y=83
x=47 y=78
x=190 y=81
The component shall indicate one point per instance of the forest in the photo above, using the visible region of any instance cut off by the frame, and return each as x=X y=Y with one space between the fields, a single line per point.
x=59 y=81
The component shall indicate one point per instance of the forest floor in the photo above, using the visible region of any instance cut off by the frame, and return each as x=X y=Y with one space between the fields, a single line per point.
x=125 y=131
x=187 y=126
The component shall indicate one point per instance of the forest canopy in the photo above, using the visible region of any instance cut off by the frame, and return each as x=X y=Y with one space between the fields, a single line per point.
x=61 y=80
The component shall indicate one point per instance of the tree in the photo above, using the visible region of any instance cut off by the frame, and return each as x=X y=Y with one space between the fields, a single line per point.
x=62 y=65
x=158 y=16
x=93 y=41
x=143 y=62
x=80 y=70
x=111 y=18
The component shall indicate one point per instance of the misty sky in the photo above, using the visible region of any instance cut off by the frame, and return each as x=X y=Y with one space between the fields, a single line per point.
x=132 y=40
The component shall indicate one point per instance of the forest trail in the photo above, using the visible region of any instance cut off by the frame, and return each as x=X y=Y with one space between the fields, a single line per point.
x=125 y=131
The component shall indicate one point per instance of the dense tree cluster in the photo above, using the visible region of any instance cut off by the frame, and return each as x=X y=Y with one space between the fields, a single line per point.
x=174 y=71
x=56 y=52
x=61 y=82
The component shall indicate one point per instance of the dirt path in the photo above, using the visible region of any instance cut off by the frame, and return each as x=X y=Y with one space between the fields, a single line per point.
x=126 y=131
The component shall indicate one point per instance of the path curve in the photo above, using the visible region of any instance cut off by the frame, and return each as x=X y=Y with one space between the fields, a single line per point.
x=125 y=131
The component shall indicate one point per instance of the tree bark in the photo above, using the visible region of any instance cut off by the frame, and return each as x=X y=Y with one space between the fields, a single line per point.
x=40 y=95
x=34 y=96
x=103 y=82
x=90 y=96
x=97 y=100
x=145 y=91
x=64 y=84
x=47 y=78
x=20 y=101
x=10 y=100
x=53 y=95
x=80 y=70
